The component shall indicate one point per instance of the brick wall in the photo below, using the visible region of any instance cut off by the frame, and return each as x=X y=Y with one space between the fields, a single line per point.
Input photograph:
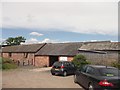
x=69 y=58
x=29 y=59
x=41 y=61
x=5 y=55
x=17 y=56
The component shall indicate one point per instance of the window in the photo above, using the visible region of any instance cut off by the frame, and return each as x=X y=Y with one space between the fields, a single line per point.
x=71 y=64
x=90 y=70
x=109 y=72
x=57 y=64
x=83 y=69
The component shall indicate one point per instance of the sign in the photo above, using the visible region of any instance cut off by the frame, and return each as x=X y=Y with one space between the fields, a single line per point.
x=63 y=59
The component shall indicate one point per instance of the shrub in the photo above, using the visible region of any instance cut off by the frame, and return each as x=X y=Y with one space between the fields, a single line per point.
x=80 y=60
x=6 y=60
x=7 y=64
x=0 y=60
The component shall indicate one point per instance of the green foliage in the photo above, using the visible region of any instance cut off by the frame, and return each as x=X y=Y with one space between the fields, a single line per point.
x=7 y=64
x=80 y=60
x=116 y=64
x=15 y=41
x=6 y=60
x=0 y=60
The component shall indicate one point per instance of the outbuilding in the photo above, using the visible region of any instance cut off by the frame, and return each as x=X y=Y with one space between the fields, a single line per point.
x=101 y=52
x=45 y=54
x=53 y=52
x=24 y=54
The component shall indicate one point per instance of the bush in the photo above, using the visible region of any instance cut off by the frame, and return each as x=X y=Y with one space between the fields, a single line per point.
x=6 y=63
x=0 y=60
x=116 y=64
x=9 y=66
x=80 y=60
x=6 y=60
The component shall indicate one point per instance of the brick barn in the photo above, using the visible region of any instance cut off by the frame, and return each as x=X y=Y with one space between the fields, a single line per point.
x=41 y=54
x=101 y=52
x=23 y=53
x=45 y=54
x=52 y=52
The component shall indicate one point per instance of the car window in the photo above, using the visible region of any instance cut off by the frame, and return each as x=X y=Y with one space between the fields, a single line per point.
x=57 y=64
x=83 y=69
x=68 y=64
x=72 y=65
x=65 y=64
x=90 y=70
x=109 y=72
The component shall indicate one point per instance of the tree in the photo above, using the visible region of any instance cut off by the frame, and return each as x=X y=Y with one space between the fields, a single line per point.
x=15 y=41
x=80 y=60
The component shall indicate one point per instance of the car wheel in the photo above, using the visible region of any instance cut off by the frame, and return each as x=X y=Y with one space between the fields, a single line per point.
x=53 y=73
x=90 y=87
x=75 y=79
x=64 y=73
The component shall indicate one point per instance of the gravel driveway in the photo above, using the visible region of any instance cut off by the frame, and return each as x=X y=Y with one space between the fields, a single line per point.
x=35 y=78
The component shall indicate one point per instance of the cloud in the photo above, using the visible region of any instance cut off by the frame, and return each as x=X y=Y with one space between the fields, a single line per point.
x=36 y=41
x=31 y=41
x=47 y=40
x=81 y=17
x=36 y=34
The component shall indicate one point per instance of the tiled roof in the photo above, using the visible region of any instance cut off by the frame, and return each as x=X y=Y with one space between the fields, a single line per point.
x=69 y=49
x=101 y=46
x=23 y=48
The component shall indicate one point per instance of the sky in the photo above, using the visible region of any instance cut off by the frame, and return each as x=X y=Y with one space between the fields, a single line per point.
x=55 y=22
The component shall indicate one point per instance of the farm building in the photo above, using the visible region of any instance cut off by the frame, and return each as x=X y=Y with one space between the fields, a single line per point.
x=41 y=54
x=101 y=53
x=46 y=54
x=52 y=52
x=22 y=53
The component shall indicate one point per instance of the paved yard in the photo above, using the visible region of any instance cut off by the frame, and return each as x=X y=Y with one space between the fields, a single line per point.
x=35 y=78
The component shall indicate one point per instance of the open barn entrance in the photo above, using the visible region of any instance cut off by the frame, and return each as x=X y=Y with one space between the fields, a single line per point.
x=52 y=59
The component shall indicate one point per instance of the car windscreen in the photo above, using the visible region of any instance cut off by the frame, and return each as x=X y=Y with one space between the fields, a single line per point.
x=57 y=64
x=109 y=72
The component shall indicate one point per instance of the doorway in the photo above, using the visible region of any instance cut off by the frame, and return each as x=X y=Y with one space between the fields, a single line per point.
x=52 y=59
